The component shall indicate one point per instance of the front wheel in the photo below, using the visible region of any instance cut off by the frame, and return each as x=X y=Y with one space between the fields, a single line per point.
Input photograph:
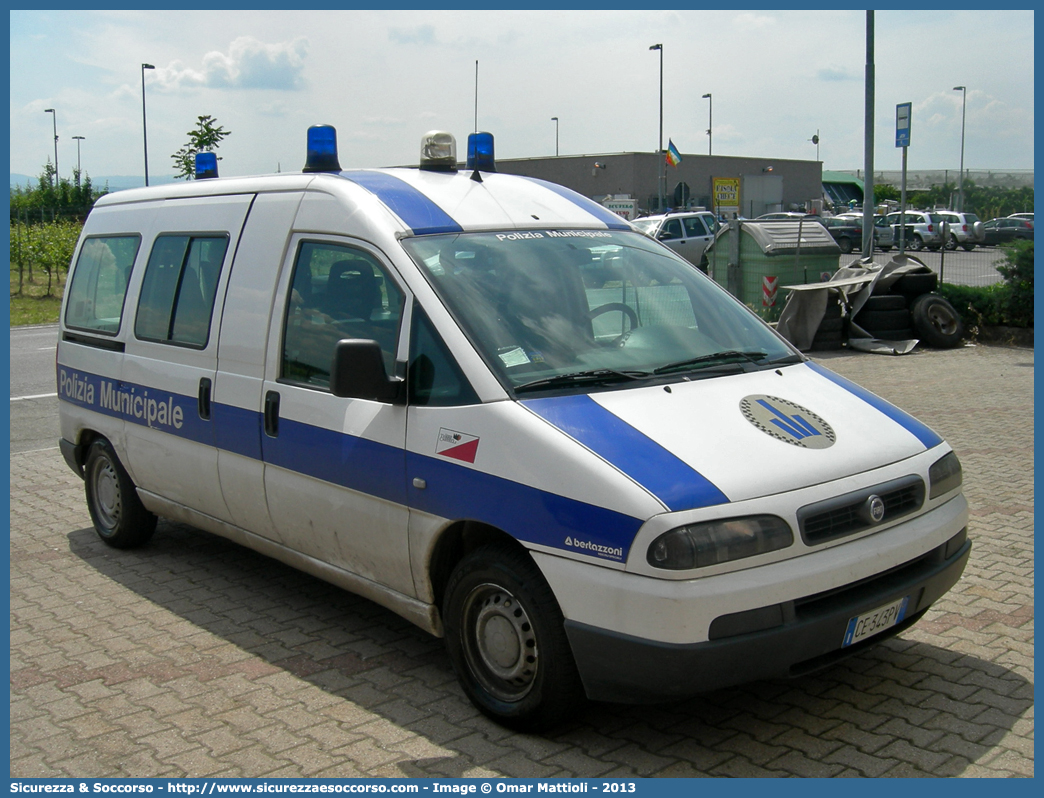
x=506 y=637
x=845 y=244
x=916 y=244
x=119 y=517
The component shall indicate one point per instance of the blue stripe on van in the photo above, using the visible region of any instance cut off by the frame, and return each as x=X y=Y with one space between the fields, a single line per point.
x=453 y=491
x=359 y=464
x=924 y=434
x=416 y=209
x=666 y=476
x=604 y=215
x=525 y=512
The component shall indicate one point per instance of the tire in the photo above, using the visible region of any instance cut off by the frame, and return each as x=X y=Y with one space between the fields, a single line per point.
x=916 y=244
x=876 y=302
x=506 y=638
x=830 y=326
x=936 y=322
x=827 y=341
x=898 y=334
x=914 y=284
x=968 y=247
x=119 y=517
x=952 y=243
x=871 y=320
x=845 y=244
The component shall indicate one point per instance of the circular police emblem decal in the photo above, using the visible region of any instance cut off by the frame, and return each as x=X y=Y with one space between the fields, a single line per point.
x=787 y=422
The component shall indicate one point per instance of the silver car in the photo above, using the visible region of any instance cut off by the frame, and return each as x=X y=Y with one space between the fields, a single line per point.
x=688 y=233
x=964 y=230
x=922 y=229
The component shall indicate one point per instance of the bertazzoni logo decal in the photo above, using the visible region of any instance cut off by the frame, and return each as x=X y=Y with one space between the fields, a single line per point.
x=788 y=422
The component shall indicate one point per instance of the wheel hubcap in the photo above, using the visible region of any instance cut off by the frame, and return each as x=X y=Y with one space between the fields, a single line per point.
x=106 y=494
x=942 y=321
x=499 y=642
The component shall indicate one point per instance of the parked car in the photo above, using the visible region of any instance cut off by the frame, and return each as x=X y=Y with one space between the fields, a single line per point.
x=923 y=229
x=965 y=230
x=847 y=232
x=884 y=238
x=999 y=231
x=1026 y=216
x=687 y=232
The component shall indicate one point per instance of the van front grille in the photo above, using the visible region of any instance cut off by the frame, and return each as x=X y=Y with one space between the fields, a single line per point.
x=846 y=515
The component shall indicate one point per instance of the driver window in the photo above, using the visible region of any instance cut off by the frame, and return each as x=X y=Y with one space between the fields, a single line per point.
x=336 y=292
x=671 y=229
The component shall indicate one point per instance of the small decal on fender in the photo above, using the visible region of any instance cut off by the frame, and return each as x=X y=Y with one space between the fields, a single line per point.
x=457 y=445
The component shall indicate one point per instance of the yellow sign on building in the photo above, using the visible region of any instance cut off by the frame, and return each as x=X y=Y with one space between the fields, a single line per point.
x=726 y=196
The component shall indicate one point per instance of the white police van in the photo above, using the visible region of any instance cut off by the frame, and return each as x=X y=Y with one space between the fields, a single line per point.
x=492 y=406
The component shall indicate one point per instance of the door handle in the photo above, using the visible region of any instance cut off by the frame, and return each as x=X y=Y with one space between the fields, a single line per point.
x=272 y=414
x=203 y=400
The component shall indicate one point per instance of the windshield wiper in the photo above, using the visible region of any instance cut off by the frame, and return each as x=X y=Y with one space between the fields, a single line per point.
x=580 y=377
x=712 y=359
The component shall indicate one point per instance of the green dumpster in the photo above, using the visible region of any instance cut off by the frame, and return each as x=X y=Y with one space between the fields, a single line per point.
x=754 y=260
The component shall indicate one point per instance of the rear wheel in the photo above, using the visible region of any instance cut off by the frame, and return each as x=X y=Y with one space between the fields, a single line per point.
x=845 y=244
x=952 y=243
x=916 y=243
x=119 y=517
x=506 y=637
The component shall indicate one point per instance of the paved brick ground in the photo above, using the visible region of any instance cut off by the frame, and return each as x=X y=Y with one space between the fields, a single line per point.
x=194 y=657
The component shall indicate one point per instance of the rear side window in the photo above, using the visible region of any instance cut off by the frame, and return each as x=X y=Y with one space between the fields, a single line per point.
x=177 y=294
x=99 y=283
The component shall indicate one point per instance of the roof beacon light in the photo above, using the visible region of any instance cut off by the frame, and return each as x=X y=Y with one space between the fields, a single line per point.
x=206 y=165
x=480 y=152
x=438 y=151
x=322 y=150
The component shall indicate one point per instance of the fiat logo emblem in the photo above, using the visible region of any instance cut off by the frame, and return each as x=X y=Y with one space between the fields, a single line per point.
x=875 y=508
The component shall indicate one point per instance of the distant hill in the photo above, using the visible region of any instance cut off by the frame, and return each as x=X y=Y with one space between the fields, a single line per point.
x=115 y=182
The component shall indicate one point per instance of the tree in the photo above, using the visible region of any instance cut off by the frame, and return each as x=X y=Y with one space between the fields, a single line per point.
x=206 y=137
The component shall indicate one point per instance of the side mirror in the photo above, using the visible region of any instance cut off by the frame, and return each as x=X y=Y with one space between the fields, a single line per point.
x=357 y=372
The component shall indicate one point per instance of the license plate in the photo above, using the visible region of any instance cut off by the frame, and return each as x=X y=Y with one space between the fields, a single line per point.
x=870 y=623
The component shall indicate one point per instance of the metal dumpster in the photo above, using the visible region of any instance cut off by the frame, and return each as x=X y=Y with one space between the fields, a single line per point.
x=753 y=260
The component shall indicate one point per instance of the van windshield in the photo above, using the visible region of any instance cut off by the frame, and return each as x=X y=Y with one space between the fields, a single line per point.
x=553 y=309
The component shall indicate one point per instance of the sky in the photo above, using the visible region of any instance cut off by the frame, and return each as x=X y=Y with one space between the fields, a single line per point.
x=384 y=78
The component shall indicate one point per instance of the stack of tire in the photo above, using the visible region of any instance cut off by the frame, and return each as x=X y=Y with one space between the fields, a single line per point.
x=911 y=310
x=831 y=331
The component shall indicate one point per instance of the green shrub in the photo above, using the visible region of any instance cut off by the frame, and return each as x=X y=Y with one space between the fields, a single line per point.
x=1007 y=304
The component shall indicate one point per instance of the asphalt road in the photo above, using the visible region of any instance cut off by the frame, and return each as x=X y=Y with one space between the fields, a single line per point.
x=34 y=400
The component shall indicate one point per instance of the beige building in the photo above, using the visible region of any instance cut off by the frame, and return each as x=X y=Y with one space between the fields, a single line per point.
x=764 y=184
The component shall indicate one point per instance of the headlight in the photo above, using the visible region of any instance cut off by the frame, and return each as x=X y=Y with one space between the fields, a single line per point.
x=713 y=542
x=944 y=475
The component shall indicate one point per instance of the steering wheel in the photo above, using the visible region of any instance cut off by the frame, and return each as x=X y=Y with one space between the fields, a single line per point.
x=609 y=307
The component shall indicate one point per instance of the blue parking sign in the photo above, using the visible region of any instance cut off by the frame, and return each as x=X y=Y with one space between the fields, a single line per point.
x=902 y=124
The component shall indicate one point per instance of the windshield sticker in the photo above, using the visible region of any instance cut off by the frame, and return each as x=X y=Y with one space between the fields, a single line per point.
x=458 y=445
x=514 y=357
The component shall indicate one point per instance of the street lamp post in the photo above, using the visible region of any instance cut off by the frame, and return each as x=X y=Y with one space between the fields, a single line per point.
x=710 y=123
x=144 y=129
x=960 y=180
x=54 y=124
x=78 y=139
x=662 y=172
x=555 y=120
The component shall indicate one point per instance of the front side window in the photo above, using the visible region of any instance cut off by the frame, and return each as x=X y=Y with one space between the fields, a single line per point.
x=99 y=283
x=337 y=292
x=177 y=293
x=552 y=309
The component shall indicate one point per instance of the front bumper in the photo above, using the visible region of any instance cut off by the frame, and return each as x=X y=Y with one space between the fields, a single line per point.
x=790 y=639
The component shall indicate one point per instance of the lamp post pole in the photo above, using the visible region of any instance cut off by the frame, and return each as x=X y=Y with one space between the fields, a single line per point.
x=555 y=120
x=78 y=139
x=661 y=172
x=960 y=180
x=54 y=124
x=144 y=127
x=710 y=123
